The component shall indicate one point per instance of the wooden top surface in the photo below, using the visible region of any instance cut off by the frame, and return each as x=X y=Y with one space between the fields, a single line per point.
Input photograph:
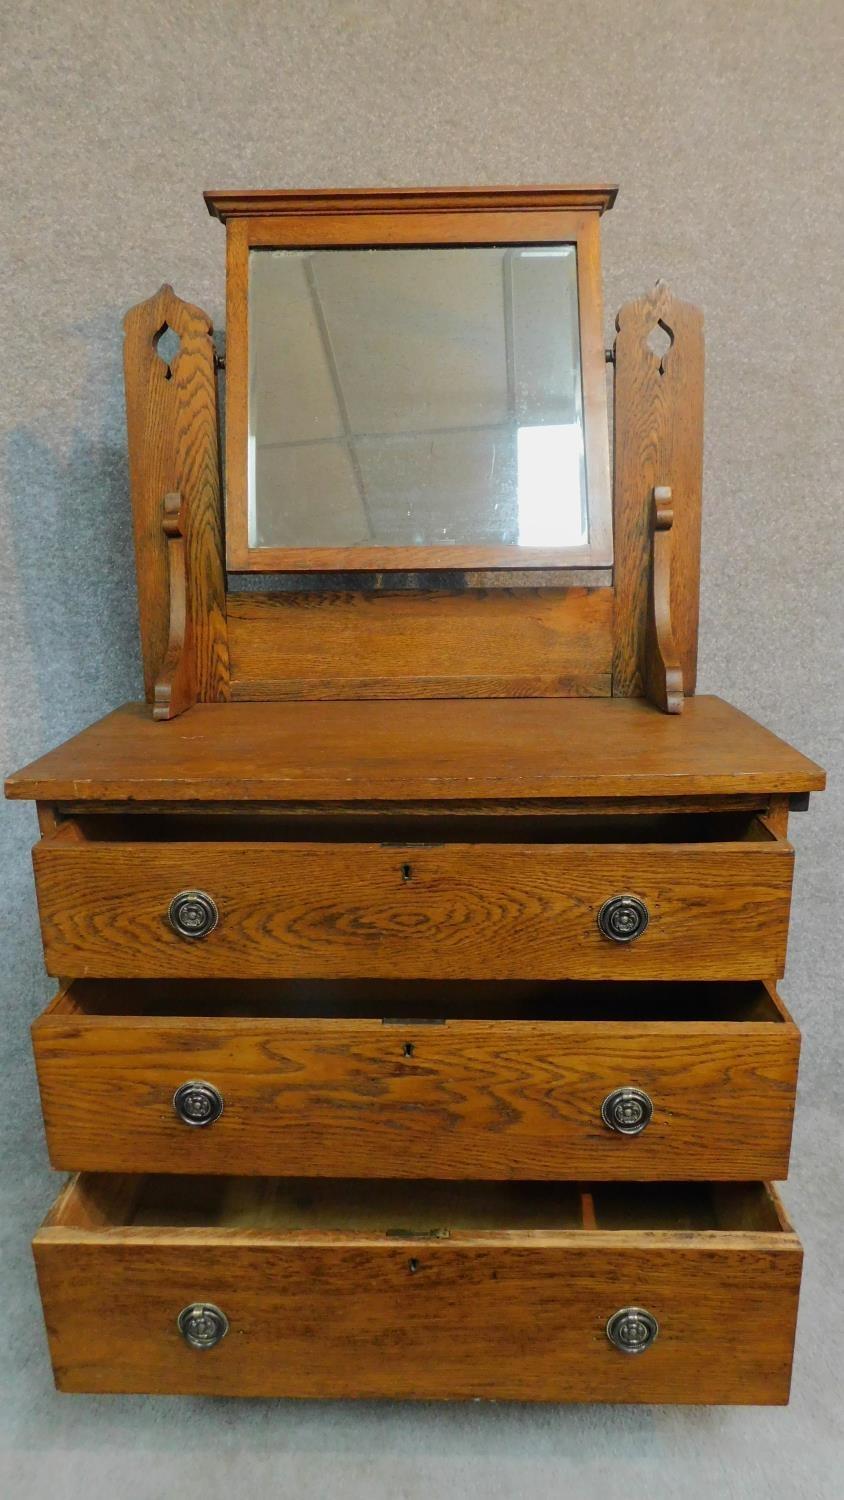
x=446 y=749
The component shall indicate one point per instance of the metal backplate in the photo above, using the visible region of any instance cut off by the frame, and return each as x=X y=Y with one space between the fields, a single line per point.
x=627 y=1110
x=623 y=918
x=632 y=1330
x=197 y=1103
x=202 y=1325
x=192 y=914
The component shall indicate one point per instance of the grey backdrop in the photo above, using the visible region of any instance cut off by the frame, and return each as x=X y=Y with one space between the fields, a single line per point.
x=721 y=121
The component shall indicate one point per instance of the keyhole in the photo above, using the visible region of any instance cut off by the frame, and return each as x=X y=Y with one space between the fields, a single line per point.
x=406 y=872
x=167 y=345
x=413 y=1265
x=407 y=1049
x=659 y=341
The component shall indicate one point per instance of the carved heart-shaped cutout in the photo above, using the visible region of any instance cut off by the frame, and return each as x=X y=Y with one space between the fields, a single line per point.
x=659 y=341
x=167 y=345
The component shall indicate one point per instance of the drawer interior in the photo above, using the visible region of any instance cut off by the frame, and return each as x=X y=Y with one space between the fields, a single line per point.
x=399 y=1209
x=422 y=1000
x=418 y=830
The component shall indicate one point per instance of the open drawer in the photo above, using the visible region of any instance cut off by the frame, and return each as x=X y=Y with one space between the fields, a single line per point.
x=414 y=1079
x=524 y=1291
x=635 y=896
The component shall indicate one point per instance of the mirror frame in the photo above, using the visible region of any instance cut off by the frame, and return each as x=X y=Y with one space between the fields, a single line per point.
x=416 y=218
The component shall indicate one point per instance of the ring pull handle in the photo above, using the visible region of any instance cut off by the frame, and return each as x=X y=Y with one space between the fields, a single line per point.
x=202 y=1325
x=632 y=1330
x=627 y=1111
x=623 y=918
x=193 y=914
x=198 y=1103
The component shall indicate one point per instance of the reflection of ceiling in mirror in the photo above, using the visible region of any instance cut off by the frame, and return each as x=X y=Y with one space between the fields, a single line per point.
x=413 y=398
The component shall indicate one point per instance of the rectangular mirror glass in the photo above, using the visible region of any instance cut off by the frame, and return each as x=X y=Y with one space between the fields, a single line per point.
x=416 y=398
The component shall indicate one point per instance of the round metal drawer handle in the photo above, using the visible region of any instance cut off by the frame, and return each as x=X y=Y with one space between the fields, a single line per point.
x=632 y=1330
x=623 y=918
x=202 y=1325
x=627 y=1110
x=198 y=1103
x=192 y=914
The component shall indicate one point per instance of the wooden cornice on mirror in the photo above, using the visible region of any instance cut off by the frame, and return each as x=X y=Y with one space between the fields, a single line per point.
x=239 y=204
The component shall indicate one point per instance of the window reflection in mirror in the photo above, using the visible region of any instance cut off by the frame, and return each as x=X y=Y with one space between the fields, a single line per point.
x=416 y=398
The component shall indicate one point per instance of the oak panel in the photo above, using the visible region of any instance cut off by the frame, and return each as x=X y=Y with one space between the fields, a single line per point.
x=479 y=1097
x=463 y=911
x=507 y=1313
x=485 y=643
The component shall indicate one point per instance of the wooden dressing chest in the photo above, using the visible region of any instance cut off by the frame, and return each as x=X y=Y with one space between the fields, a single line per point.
x=418 y=940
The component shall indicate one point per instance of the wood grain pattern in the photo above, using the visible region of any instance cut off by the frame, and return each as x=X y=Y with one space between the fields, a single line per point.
x=463 y=911
x=495 y=643
x=466 y=1098
x=507 y=1313
x=434 y=751
x=429 y=226
x=776 y=816
x=658 y=441
x=171 y=413
x=663 y=674
x=394 y=225
x=277 y=202
x=48 y=818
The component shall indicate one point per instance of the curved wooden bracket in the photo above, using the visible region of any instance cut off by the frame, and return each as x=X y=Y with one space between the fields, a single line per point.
x=175 y=687
x=662 y=670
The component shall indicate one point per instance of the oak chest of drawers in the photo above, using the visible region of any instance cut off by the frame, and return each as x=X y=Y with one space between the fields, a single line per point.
x=417 y=1029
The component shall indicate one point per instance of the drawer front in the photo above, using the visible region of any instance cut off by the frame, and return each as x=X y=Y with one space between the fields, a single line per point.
x=514 y=1315
x=464 y=1098
x=463 y=911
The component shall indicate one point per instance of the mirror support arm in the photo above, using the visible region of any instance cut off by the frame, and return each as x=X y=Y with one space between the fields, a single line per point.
x=663 y=672
x=175 y=686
